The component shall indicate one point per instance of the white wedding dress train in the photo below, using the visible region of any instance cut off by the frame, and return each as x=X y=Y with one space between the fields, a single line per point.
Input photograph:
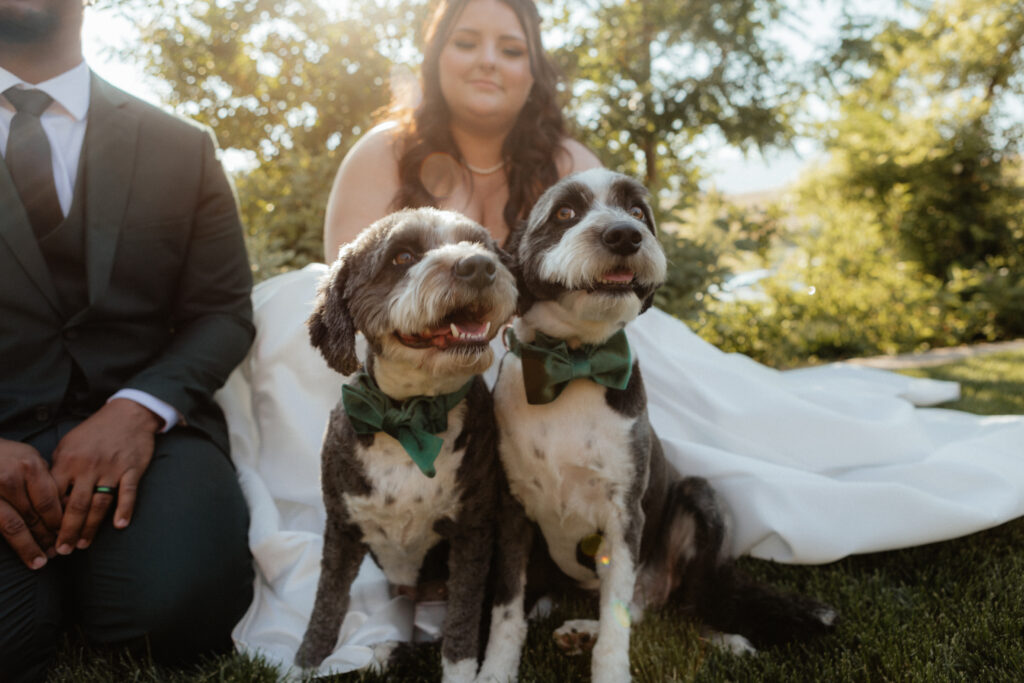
x=814 y=464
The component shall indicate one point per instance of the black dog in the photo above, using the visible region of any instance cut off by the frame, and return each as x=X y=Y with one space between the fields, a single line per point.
x=582 y=461
x=428 y=291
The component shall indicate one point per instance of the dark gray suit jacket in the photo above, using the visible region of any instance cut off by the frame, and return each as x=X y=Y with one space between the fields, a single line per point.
x=168 y=278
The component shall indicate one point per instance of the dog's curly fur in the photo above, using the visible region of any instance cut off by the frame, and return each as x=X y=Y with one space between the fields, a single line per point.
x=428 y=290
x=587 y=471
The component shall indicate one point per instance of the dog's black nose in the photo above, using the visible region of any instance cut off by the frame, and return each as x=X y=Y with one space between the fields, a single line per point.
x=622 y=238
x=477 y=270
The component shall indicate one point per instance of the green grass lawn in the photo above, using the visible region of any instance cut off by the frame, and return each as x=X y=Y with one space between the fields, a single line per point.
x=950 y=611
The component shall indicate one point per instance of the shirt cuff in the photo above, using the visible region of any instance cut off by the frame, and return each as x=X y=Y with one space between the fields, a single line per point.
x=165 y=411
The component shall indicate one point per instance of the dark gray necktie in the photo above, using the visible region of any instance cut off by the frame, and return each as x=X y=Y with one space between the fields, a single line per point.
x=28 y=160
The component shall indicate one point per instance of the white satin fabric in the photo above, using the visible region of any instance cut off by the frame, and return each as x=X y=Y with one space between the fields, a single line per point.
x=814 y=464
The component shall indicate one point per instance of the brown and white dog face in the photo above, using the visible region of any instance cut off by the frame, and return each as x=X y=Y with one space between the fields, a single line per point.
x=588 y=259
x=428 y=290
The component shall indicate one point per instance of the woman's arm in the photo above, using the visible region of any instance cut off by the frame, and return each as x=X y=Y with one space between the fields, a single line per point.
x=576 y=157
x=363 y=189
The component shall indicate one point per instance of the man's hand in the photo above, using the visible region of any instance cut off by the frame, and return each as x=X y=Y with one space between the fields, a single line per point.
x=111 y=449
x=30 y=511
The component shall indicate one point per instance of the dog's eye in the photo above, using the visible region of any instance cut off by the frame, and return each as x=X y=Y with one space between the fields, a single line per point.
x=404 y=258
x=565 y=213
x=637 y=212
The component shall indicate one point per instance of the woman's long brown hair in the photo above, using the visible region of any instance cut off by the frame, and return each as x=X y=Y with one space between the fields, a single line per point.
x=530 y=147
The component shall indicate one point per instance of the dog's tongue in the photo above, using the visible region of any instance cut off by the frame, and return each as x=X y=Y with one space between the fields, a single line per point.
x=619 y=276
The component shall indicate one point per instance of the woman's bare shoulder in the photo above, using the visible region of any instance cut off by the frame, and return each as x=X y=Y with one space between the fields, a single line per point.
x=575 y=156
x=364 y=187
x=376 y=148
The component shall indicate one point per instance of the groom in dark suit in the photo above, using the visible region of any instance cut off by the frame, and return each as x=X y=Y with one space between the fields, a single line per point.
x=124 y=304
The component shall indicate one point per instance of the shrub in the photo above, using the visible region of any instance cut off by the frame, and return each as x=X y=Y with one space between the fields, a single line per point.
x=842 y=291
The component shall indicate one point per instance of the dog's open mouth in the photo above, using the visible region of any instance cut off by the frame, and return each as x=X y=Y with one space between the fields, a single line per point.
x=619 y=280
x=461 y=329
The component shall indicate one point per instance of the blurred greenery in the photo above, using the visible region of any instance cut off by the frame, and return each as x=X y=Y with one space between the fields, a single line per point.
x=651 y=78
x=294 y=84
x=929 y=126
x=910 y=235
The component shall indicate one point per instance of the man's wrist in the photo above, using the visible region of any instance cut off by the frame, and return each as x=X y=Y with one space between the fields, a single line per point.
x=167 y=415
x=137 y=414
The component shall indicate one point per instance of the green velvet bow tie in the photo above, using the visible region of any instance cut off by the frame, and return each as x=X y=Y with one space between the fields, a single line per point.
x=413 y=422
x=549 y=364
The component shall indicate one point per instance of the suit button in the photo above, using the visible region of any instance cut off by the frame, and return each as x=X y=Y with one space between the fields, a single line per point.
x=71 y=334
x=43 y=414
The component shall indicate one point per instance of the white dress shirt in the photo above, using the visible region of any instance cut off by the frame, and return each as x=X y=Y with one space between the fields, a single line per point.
x=64 y=122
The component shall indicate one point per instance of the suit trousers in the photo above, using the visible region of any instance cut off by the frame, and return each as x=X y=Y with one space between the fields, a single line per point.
x=176 y=579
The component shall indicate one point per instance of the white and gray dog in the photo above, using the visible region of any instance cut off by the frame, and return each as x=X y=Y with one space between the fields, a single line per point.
x=583 y=464
x=409 y=464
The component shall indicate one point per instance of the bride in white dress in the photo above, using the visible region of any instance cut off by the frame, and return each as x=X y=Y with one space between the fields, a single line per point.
x=814 y=464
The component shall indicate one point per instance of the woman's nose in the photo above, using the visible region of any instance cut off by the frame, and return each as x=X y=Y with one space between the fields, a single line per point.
x=488 y=54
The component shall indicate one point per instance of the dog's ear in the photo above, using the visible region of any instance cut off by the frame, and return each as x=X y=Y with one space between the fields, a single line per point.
x=646 y=206
x=331 y=328
x=647 y=301
x=511 y=246
x=511 y=261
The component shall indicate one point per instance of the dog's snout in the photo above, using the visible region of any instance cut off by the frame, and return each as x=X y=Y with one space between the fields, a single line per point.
x=477 y=270
x=622 y=238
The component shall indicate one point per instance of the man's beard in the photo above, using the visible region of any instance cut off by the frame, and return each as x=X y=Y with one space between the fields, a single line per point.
x=27 y=27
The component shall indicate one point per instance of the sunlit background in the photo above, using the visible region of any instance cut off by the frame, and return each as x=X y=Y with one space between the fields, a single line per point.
x=871 y=199
x=732 y=171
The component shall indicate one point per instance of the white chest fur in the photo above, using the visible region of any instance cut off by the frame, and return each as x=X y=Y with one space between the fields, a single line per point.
x=397 y=517
x=568 y=462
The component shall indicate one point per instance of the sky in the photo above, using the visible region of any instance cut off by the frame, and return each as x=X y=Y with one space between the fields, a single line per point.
x=731 y=171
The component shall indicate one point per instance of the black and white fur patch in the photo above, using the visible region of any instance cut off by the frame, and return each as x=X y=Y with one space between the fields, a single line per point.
x=428 y=290
x=587 y=470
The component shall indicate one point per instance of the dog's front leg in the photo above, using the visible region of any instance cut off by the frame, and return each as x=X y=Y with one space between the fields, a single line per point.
x=342 y=555
x=469 y=562
x=616 y=568
x=508 y=618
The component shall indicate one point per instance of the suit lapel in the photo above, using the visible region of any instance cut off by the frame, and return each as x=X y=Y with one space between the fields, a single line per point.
x=110 y=147
x=17 y=232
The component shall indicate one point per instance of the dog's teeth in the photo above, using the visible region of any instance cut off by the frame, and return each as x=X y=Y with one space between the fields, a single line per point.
x=463 y=335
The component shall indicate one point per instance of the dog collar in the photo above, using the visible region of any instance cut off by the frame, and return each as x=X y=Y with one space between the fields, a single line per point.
x=413 y=422
x=549 y=364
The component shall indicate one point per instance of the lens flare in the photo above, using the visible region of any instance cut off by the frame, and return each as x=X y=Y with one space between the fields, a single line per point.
x=621 y=613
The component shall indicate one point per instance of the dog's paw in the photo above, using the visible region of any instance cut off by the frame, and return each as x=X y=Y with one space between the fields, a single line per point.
x=605 y=673
x=488 y=676
x=463 y=671
x=827 y=616
x=576 y=636
x=382 y=654
x=732 y=643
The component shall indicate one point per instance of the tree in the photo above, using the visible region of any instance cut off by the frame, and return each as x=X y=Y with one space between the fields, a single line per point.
x=653 y=78
x=927 y=133
x=290 y=84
